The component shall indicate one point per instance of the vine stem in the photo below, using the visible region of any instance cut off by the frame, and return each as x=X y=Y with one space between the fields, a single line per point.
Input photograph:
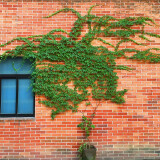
x=92 y=116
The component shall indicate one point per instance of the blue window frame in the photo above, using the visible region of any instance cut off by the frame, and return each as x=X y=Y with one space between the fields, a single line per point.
x=16 y=96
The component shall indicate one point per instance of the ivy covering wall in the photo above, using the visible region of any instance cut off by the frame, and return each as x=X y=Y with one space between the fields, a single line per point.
x=61 y=59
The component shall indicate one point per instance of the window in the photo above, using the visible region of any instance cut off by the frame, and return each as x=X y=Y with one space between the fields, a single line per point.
x=16 y=96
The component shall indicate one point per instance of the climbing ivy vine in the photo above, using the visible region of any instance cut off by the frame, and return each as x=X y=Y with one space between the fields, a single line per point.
x=61 y=60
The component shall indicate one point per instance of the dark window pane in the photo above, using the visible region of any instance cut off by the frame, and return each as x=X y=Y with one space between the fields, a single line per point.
x=8 y=96
x=25 y=97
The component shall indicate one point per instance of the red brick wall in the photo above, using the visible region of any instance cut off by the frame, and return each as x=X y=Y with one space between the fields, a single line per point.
x=128 y=131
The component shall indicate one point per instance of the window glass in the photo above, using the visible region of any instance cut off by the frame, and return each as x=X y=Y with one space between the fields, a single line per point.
x=15 y=66
x=25 y=96
x=8 y=96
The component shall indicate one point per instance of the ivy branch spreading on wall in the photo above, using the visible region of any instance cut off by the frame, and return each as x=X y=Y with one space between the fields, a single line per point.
x=60 y=59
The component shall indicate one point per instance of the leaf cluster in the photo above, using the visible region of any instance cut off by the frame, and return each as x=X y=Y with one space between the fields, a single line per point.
x=86 y=125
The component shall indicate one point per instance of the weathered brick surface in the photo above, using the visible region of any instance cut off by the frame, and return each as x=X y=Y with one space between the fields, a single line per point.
x=129 y=131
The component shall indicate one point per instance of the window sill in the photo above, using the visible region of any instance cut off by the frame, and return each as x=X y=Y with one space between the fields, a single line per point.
x=17 y=118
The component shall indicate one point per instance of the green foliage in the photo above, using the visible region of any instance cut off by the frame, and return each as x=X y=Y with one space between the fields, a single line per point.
x=81 y=148
x=86 y=125
x=61 y=61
